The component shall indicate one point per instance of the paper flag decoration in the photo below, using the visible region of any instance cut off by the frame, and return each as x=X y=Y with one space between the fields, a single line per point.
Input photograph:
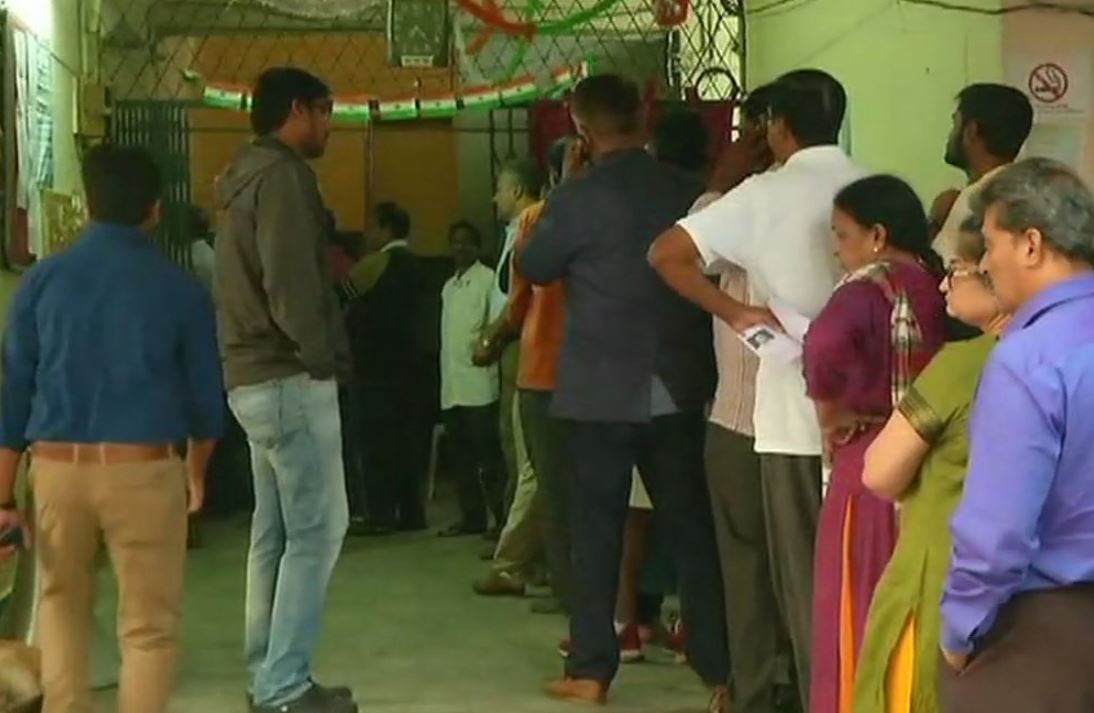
x=520 y=90
x=481 y=97
x=353 y=109
x=225 y=96
x=443 y=106
x=567 y=77
x=399 y=109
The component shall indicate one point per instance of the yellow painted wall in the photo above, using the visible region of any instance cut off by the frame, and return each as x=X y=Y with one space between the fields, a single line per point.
x=413 y=163
x=902 y=65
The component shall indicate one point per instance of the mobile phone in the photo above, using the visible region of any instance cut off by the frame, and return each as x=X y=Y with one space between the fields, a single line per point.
x=11 y=537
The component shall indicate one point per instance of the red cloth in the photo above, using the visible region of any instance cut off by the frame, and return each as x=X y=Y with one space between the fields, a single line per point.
x=549 y=121
x=341 y=262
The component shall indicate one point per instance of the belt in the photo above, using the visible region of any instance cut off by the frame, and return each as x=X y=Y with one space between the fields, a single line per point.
x=103 y=453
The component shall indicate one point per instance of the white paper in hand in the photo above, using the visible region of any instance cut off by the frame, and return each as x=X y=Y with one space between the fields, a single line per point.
x=768 y=343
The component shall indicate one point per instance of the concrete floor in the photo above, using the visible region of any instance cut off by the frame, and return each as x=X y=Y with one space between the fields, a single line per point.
x=402 y=628
x=405 y=631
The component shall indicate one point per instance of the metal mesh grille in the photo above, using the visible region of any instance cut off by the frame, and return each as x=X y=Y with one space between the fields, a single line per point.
x=162 y=128
x=161 y=49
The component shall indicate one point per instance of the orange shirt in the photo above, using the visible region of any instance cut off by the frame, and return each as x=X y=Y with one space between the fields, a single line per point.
x=538 y=312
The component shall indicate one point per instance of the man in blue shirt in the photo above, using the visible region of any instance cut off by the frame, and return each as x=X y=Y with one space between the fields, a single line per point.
x=1018 y=606
x=109 y=361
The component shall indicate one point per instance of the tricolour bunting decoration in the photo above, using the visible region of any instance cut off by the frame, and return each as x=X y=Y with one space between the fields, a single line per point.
x=363 y=108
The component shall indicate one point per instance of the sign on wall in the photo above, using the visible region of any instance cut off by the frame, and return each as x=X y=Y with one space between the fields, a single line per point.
x=417 y=33
x=1059 y=84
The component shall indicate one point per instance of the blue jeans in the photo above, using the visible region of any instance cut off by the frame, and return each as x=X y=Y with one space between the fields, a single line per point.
x=300 y=519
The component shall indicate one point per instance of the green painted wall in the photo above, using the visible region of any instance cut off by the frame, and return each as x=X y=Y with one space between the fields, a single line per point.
x=902 y=65
x=66 y=74
x=57 y=22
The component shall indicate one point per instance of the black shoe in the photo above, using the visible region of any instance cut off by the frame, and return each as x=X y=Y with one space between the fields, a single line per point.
x=364 y=528
x=413 y=526
x=333 y=691
x=462 y=529
x=547 y=606
x=314 y=700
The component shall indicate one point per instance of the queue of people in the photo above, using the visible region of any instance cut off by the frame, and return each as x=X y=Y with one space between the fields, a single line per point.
x=935 y=605
x=585 y=375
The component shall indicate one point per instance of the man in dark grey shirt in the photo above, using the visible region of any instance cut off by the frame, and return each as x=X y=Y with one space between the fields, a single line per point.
x=635 y=373
x=283 y=343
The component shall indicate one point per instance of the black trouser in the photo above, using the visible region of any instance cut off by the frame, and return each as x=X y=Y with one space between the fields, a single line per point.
x=395 y=453
x=669 y=454
x=544 y=439
x=733 y=473
x=477 y=461
x=352 y=450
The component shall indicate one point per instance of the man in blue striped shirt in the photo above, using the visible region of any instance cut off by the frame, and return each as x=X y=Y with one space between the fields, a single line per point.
x=110 y=361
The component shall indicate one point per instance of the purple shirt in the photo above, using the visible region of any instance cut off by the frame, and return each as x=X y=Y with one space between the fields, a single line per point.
x=1026 y=521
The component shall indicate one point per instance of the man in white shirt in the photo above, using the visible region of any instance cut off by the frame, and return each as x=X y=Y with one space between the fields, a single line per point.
x=469 y=393
x=776 y=226
x=990 y=125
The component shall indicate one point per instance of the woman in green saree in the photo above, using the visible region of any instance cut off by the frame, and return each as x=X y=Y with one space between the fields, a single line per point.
x=919 y=460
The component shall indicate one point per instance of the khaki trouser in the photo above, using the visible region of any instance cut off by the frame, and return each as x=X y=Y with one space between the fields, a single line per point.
x=520 y=543
x=507 y=373
x=139 y=512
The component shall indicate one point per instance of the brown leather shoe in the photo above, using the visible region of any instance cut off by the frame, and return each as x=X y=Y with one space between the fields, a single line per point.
x=578 y=690
x=719 y=700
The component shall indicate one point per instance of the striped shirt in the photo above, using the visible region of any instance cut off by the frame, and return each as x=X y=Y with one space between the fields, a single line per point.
x=735 y=397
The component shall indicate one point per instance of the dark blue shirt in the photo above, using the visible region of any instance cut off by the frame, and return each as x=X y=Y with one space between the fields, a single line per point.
x=110 y=342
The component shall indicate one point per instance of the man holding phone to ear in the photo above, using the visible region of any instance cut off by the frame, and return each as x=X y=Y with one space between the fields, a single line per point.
x=634 y=374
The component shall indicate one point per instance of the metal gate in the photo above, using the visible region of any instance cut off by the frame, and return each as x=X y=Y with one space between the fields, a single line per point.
x=163 y=128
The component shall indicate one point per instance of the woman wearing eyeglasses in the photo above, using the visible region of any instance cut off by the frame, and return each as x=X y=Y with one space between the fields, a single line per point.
x=880 y=328
x=919 y=460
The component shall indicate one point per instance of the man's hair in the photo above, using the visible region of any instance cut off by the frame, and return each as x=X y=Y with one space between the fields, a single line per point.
x=123 y=184
x=1003 y=116
x=755 y=106
x=681 y=139
x=1045 y=195
x=390 y=216
x=609 y=103
x=812 y=103
x=276 y=91
x=528 y=175
x=469 y=228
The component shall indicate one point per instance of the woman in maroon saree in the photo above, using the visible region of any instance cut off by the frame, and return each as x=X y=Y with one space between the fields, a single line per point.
x=880 y=328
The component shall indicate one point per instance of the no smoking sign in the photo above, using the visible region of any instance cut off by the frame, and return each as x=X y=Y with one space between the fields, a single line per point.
x=1048 y=83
